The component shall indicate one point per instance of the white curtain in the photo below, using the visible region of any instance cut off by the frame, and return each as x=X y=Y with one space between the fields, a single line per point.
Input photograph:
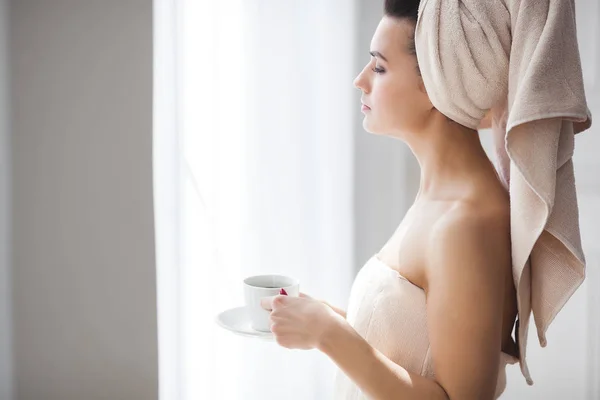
x=253 y=159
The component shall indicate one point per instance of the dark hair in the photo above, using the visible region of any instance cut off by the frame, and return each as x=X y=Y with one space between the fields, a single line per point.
x=404 y=10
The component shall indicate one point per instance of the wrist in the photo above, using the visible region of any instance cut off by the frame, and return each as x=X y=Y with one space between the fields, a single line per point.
x=337 y=310
x=331 y=331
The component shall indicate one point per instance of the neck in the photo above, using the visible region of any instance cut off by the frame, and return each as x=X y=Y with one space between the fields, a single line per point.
x=452 y=161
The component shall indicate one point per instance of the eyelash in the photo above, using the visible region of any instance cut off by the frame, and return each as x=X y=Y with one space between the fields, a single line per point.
x=378 y=70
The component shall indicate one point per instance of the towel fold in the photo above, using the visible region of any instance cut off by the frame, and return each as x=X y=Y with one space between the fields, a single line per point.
x=520 y=59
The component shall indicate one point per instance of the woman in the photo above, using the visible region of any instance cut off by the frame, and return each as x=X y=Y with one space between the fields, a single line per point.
x=439 y=296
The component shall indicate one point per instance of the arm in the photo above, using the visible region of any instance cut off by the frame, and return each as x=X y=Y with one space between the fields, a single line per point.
x=337 y=310
x=375 y=374
x=464 y=303
x=465 y=297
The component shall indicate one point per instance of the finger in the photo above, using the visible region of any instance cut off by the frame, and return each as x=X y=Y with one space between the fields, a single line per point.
x=278 y=301
x=274 y=302
x=278 y=328
x=304 y=296
x=267 y=303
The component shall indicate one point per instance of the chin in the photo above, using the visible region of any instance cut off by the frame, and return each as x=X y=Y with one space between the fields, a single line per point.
x=370 y=128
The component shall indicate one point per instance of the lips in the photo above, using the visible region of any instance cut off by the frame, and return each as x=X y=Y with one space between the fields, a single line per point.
x=365 y=106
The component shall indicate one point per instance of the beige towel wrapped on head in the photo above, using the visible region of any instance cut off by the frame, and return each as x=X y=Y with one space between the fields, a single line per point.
x=519 y=58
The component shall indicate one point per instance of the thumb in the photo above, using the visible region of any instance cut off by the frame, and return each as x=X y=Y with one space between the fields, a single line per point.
x=267 y=303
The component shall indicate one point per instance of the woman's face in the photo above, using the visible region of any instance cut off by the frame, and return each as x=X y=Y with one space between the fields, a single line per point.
x=390 y=83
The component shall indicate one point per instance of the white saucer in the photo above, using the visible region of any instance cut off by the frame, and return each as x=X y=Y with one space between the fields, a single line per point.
x=237 y=321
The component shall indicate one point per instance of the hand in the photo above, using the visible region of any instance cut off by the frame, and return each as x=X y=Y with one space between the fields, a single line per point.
x=338 y=310
x=299 y=322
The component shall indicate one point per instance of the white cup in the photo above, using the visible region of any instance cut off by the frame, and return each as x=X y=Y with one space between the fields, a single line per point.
x=260 y=286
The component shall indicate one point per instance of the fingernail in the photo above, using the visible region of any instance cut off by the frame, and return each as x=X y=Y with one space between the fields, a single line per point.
x=282 y=291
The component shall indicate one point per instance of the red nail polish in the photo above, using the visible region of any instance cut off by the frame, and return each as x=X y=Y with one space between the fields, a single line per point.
x=282 y=291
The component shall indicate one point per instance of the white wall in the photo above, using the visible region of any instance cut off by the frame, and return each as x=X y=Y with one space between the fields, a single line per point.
x=5 y=295
x=84 y=267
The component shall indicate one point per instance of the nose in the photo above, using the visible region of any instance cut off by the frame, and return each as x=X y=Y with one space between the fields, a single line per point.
x=361 y=82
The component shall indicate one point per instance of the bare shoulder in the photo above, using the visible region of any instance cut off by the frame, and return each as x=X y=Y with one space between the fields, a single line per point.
x=488 y=209
x=471 y=239
x=473 y=221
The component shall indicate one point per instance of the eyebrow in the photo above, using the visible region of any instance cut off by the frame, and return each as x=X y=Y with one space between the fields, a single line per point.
x=378 y=54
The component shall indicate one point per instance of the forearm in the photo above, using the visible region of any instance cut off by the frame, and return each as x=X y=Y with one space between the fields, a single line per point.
x=375 y=374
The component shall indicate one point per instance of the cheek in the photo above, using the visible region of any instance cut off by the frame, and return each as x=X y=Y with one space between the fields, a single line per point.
x=399 y=104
